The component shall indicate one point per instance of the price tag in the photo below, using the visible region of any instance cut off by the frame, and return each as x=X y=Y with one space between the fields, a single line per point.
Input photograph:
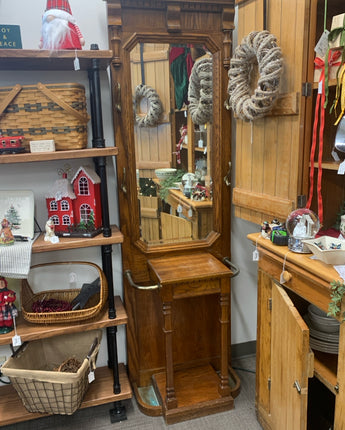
x=179 y=209
x=16 y=340
x=91 y=376
x=255 y=255
x=322 y=45
x=76 y=63
x=190 y=213
x=319 y=88
x=282 y=280
x=341 y=168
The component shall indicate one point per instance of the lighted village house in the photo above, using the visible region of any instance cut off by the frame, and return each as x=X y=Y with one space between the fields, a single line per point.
x=75 y=203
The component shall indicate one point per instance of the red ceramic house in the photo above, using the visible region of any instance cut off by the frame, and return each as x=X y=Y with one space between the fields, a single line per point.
x=69 y=204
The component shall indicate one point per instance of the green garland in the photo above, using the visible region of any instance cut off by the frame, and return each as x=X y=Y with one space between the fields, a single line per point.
x=334 y=307
x=168 y=183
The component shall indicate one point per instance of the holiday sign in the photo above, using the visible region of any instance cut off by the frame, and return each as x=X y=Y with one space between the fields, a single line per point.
x=10 y=37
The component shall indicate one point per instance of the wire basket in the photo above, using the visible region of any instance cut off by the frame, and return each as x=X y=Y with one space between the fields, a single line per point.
x=43 y=389
x=61 y=275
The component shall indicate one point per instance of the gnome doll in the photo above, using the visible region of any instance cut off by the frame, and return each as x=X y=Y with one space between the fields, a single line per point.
x=59 y=28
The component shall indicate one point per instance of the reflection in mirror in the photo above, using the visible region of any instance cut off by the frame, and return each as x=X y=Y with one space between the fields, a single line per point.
x=172 y=86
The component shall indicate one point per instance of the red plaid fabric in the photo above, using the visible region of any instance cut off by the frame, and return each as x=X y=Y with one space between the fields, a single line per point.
x=59 y=4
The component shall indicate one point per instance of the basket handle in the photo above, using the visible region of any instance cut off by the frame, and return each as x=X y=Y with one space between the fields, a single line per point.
x=10 y=96
x=93 y=347
x=50 y=94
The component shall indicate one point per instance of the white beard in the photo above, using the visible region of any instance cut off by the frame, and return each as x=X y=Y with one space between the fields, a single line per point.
x=54 y=32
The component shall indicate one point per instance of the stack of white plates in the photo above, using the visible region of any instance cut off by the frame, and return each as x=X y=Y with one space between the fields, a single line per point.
x=323 y=330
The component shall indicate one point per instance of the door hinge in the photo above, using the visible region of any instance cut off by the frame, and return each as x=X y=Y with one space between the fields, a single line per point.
x=307 y=89
x=269 y=384
x=269 y=304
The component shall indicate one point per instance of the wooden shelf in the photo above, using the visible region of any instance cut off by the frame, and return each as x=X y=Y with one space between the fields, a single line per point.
x=37 y=59
x=40 y=245
x=325 y=369
x=196 y=392
x=328 y=165
x=100 y=391
x=58 y=155
x=29 y=331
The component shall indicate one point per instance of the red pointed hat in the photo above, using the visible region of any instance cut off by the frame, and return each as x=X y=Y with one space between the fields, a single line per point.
x=59 y=4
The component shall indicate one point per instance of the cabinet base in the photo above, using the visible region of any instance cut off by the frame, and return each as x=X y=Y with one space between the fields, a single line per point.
x=196 y=392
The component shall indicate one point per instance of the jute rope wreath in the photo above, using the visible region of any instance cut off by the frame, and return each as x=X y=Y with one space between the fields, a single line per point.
x=257 y=47
x=200 y=91
x=155 y=107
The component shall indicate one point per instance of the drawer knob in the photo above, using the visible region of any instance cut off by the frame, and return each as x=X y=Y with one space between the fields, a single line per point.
x=286 y=276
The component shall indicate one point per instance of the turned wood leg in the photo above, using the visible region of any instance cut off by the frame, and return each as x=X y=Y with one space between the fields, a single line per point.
x=170 y=401
x=224 y=301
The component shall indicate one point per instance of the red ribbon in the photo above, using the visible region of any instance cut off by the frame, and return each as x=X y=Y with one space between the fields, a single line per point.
x=320 y=111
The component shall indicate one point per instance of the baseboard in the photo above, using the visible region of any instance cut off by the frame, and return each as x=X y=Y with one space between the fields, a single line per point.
x=245 y=348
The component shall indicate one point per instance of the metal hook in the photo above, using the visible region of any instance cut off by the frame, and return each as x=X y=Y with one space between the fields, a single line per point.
x=235 y=269
x=140 y=287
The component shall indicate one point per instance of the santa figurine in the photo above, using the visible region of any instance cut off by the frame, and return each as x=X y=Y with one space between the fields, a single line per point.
x=8 y=311
x=59 y=28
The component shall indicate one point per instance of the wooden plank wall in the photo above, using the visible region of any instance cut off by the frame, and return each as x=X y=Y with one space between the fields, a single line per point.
x=269 y=156
x=153 y=144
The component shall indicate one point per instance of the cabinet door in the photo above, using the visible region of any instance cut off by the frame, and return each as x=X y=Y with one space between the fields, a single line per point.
x=290 y=363
x=271 y=153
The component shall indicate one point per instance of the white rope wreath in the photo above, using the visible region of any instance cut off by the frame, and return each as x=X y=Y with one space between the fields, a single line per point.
x=257 y=47
x=155 y=107
x=200 y=91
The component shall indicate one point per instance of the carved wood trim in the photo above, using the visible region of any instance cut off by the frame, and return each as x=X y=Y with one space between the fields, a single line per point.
x=114 y=27
x=173 y=17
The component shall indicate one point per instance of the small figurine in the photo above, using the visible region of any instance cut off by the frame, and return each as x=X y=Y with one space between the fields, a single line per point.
x=8 y=311
x=6 y=236
x=50 y=230
x=266 y=230
x=59 y=28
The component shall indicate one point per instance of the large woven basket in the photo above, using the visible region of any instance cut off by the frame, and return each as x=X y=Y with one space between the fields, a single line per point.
x=63 y=278
x=45 y=112
x=43 y=389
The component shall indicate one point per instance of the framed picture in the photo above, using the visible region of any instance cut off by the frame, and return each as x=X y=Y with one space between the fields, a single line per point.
x=18 y=208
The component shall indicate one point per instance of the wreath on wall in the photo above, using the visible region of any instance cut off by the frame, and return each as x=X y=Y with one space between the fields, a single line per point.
x=200 y=91
x=155 y=107
x=258 y=47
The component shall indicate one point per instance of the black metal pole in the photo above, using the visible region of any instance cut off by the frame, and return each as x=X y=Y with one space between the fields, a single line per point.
x=100 y=164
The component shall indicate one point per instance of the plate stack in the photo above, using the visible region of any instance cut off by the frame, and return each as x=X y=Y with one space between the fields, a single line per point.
x=323 y=329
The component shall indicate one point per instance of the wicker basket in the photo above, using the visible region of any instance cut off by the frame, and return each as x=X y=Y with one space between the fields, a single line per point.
x=45 y=112
x=41 y=389
x=64 y=278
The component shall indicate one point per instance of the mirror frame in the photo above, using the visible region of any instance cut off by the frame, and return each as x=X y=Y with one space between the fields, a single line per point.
x=138 y=38
x=124 y=123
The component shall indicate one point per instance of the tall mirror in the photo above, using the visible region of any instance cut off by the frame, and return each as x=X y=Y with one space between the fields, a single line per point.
x=172 y=91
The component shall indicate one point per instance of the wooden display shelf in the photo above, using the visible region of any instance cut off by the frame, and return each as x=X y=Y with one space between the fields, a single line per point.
x=100 y=391
x=325 y=369
x=40 y=245
x=29 y=331
x=39 y=59
x=27 y=157
x=196 y=393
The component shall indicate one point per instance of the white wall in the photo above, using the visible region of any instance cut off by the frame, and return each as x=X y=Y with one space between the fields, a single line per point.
x=91 y=17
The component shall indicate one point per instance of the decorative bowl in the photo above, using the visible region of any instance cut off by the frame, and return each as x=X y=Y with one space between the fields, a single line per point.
x=327 y=249
x=165 y=173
